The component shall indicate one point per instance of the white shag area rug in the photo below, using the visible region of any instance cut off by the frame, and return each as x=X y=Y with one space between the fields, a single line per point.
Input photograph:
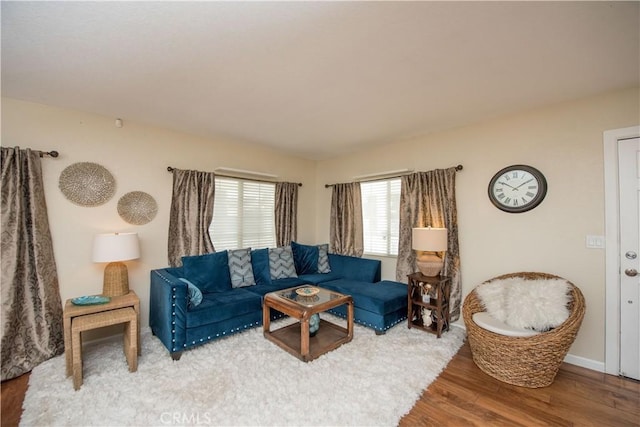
x=244 y=380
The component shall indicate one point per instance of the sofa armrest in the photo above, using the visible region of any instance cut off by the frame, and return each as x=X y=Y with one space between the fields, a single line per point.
x=353 y=268
x=168 y=309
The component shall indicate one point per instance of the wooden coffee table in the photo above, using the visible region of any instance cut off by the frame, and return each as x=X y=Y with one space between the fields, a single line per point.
x=295 y=338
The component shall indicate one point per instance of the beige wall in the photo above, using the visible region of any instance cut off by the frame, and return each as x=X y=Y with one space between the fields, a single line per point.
x=137 y=155
x=565 y=143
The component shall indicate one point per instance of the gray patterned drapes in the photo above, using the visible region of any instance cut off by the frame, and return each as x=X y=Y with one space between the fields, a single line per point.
x=31 y=305
x=428 y=199
x=346 y=229
x=191 y=214
x=286 y=212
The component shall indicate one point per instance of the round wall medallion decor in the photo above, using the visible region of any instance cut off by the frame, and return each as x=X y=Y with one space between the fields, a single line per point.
x=137 y=207
x=87 y=184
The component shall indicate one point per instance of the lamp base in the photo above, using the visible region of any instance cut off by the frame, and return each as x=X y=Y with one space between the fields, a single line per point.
x=429 y=264
x=116 y=280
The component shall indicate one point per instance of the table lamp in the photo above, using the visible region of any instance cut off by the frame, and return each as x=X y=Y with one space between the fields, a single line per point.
x=115 y=248
x=427 y=241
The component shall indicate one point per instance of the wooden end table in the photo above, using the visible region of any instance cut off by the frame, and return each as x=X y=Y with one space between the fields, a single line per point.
x=438 y=289
x=71 y=311
x=295 y=338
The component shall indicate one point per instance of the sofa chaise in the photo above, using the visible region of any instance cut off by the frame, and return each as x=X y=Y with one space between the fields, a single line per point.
x=215 y=295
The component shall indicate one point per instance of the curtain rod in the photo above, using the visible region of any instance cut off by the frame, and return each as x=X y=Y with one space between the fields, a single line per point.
x=458 y=169
x=171 y=169
x=51 y=153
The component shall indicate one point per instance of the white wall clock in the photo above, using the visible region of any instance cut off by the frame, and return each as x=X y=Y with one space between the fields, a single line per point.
x=517 y=188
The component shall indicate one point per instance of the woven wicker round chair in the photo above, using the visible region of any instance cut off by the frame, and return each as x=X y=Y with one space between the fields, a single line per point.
x=523 y=361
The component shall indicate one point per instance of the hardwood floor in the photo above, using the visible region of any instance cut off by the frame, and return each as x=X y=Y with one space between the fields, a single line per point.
x=12 y=395
x=465 y=396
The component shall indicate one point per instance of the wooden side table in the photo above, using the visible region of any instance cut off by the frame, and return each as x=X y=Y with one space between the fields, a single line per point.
x=88 y=322
x=71 y=311
x=436 y=291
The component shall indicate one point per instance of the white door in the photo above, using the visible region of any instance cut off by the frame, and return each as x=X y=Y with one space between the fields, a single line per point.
x=629 y=184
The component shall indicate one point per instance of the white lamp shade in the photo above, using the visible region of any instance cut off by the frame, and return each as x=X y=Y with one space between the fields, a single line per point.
x=113 y=247
x=429 y=239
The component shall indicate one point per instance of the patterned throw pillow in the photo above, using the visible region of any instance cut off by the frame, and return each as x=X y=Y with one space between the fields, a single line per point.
x=323 y=259
x=240 y=268
x=281 y=265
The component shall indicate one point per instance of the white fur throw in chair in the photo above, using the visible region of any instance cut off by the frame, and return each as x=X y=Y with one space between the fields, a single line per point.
x=539 y=304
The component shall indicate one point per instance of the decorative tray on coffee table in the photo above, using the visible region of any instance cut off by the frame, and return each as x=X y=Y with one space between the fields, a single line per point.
x=307 y=291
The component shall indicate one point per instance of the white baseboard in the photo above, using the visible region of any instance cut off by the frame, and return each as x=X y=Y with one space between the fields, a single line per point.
x=583 y=362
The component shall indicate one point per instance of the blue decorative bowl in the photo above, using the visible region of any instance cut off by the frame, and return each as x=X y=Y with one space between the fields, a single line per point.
x=91 y=300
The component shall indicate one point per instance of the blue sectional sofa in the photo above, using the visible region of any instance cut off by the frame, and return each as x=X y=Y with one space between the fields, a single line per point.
x=215 y=295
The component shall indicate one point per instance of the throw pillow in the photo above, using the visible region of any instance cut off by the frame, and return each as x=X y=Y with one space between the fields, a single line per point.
x=323 y=259
x=305 y=258
x=209 y=272
x=194 y=296
x=281 y=264
x=260 y=264
x=240 y=269
x=538 y=304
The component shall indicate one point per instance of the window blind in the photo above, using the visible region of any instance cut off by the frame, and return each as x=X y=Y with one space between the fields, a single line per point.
x=243 y=215
x=381 y=216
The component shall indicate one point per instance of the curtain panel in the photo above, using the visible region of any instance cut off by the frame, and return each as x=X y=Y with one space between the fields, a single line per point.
x=32 y=329
x=191 y=214
x=346 y=229
x=286 y=213
x=427 y=199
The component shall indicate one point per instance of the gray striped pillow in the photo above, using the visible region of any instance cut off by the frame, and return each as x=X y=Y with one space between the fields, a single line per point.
x=323 y=259
x=281 y=265
x=240 y=268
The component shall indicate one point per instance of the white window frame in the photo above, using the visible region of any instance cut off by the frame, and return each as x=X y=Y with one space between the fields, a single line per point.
x=381 y=220
x=236 y=228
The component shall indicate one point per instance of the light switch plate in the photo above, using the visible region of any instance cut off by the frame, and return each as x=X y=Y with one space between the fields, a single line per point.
x=595 y=242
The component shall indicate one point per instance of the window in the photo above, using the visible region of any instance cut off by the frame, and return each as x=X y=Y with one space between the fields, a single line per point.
x=381 y=216
x=243 y=215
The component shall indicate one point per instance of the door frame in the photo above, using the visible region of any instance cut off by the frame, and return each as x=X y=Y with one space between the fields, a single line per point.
x=612 y=246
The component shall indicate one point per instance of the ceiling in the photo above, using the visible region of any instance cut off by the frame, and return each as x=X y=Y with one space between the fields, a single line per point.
x=315 y=79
